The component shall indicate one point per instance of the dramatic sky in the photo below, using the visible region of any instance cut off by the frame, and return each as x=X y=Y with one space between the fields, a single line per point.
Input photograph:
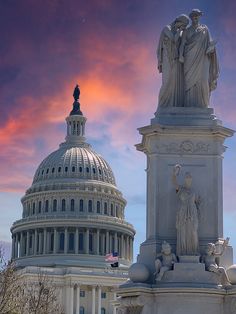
x=109 y=48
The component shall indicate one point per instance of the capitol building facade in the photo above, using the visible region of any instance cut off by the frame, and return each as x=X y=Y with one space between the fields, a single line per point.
x=73 y=215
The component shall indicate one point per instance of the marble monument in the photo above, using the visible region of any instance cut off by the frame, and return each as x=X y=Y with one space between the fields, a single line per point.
x=185 y=265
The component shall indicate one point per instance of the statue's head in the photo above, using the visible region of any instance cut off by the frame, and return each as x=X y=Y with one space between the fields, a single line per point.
x=211 y=248
x=195 y=14
x=188 y=179
x=165 y=248
x=181 y=21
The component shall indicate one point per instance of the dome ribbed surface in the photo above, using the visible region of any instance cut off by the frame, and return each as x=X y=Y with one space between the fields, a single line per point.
x=74 y=162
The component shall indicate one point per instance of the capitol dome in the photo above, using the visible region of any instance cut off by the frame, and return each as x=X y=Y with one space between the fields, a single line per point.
x=73 y=213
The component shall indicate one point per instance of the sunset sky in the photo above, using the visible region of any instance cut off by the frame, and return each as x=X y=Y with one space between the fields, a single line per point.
x=109 y=48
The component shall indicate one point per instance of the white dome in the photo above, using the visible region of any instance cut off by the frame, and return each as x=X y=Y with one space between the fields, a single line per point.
x=74 y=162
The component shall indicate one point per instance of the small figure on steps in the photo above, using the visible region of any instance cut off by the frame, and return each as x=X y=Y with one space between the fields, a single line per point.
x=211 y=263
x=165 y=261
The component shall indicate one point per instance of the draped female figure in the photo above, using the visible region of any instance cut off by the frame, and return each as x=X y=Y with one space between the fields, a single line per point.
x=198 y=55
x=172 y=91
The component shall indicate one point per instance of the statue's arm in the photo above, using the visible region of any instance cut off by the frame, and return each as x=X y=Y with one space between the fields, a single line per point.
x=182 y=45
x=176 y=171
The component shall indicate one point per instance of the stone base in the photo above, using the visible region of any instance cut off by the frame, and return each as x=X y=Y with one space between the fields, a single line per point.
x=143 y=300
x=191 y=275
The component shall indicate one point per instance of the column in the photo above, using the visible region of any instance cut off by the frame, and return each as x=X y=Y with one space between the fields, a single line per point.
x=114 y=308
x=93 y=300
x=107 y=242
x=66 y=241
x=55 y=241
x=76 y=241
x=97 y=244
x=99 y=300
x=44 y=241
x=103 y=244
x=15 y=246
x=122 y=245
x=27 y=243
x=131 y=248
x=69 y=299
x=35 y=241
x=116 y=243
x=87 y=242
x=78 y=299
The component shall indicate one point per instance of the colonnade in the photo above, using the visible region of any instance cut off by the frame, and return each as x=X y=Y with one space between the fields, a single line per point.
x=68 y=240
x=73 y=306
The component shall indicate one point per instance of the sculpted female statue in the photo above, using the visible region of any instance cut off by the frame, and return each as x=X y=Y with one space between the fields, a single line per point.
x=187 y=216
x=171 y=92
x=201 y=70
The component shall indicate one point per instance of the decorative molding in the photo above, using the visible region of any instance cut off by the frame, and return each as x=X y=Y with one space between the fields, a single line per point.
x=186 y=147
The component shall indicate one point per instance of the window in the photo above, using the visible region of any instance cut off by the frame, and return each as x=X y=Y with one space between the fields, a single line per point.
x=51 y=242
x=71 y=241
x=81 y=241
x=40 y=206
x=46 y=206
x=87 y=169
x=30 y=241
x=54 y=205
x=63 y=205
x=117 y=212
x=47 y=171
x=61 y=241
x=103 y=295
x=98 y=207
x=81 y=205
x=82 y=293
x=80 y=169
x=105 y=208
x=59 y=169
x=72 y=205
x=73 y=169
x=33 y=208
x=103 y=311
x=81 y=309
x=66 y=169
x=100 y=171
x=90 y=242
x=90 y=206
x=53 y=169
x=94 y=170
x=42 y=172
x=112 y=210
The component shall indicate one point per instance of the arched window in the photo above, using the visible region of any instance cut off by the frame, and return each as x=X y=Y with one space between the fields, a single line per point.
x=59 y=169
x=100 y=171
x=33 y=208
x=81 y=241
x=63 y=205
x=40 y=206
x=46 y=206
x=81 y=310
x=66 y=169
x=117 y=212
x=112 y=210
x=73 y=169
x=98 y=207
x=90 y=206
x=87 y=169
x=54 y=205
x=53 y=169
x=105 y=208
x=103 y=311
x=47 y=171
x=61 y=241
x=80 y=169
x=81 y=205
x=72 y=205
x=90 y=242
x=94 y=170
x=71 y=241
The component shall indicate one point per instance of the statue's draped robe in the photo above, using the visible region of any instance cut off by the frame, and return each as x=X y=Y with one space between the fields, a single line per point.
x=171 y=92
x=200 y=69
x=187 y=223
